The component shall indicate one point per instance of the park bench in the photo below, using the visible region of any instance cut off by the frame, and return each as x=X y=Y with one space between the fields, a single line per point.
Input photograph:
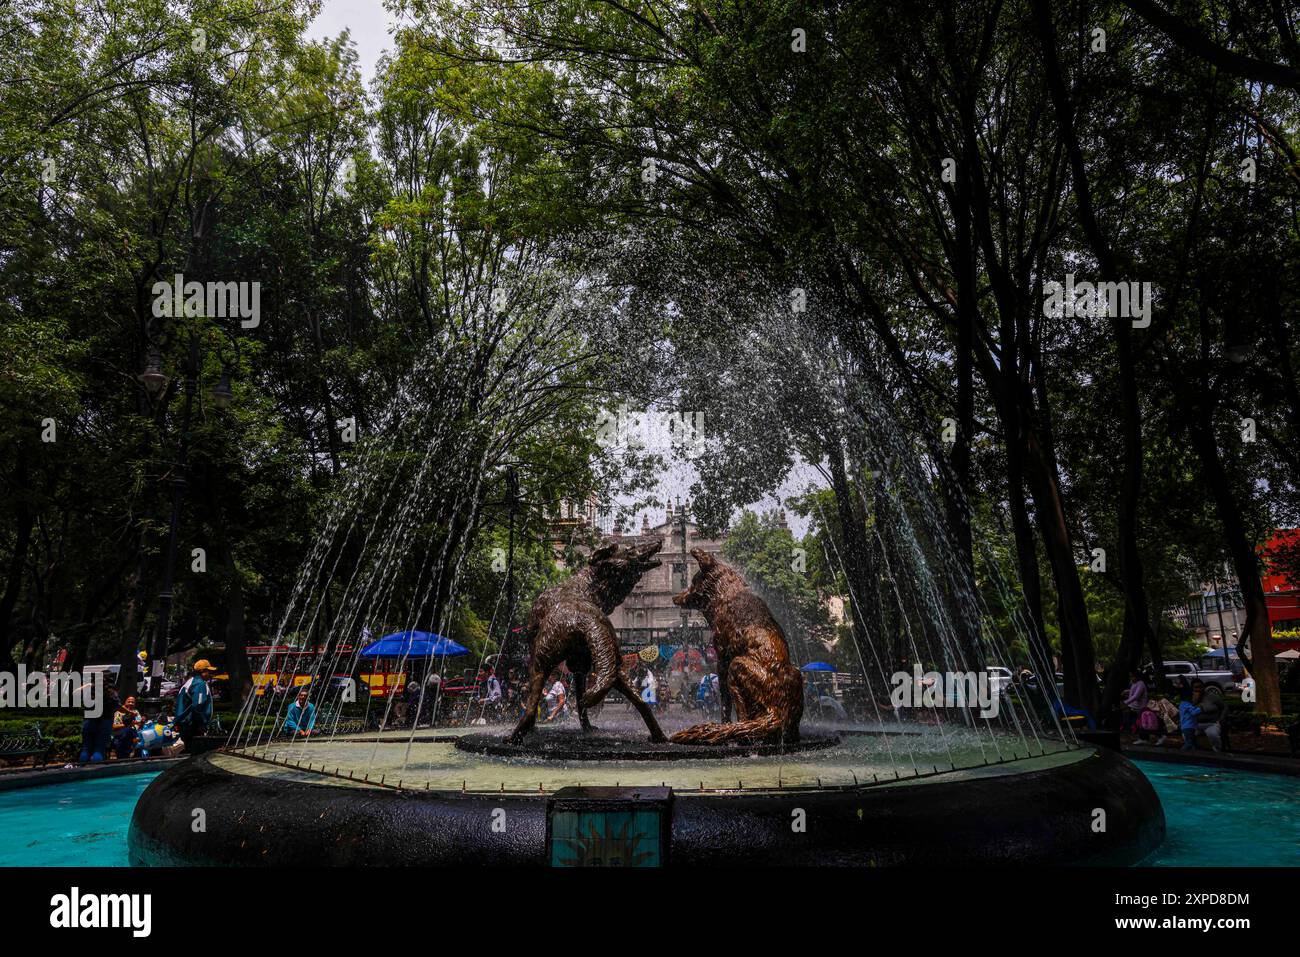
x=28 y=743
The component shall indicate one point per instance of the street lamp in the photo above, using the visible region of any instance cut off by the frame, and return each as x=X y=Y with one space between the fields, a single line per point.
x=221 y=394
x=153 y=378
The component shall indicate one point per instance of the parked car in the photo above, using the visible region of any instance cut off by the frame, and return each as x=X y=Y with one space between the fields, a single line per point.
x=1213 y=661
x=1188 y=671
x=466 y=685
x=1000 y=679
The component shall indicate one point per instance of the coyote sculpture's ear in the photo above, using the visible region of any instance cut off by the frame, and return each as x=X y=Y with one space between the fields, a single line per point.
x=603 y=553
x=704 y=559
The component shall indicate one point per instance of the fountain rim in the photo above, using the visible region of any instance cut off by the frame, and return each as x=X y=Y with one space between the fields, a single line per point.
x=1080 y=752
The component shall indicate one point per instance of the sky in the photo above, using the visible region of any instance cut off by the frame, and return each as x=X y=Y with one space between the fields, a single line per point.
x=368 y=22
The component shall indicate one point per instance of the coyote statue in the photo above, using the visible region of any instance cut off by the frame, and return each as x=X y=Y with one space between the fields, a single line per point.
x=569 y=623
x=754 y=666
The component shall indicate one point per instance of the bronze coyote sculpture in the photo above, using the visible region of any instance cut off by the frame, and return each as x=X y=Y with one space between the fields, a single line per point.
x=569 y=623
x=754 y=665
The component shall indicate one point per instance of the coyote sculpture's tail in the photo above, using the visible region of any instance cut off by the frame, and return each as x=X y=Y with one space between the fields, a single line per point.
x=754 y=665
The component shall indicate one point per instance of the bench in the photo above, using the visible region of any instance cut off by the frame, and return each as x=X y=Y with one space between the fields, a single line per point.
x=26 y=744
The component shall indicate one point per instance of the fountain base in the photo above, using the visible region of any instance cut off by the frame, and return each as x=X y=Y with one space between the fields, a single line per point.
x=569 y=745
x=1034 y=811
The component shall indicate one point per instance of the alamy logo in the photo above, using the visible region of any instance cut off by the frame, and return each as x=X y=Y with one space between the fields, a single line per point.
x=651 y=429
x=214 y=300
x=1126 y=300
x=76 y=910
x=944 y=689
x=64 y=689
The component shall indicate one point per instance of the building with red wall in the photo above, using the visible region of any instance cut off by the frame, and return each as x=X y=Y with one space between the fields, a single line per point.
x=1281 y=593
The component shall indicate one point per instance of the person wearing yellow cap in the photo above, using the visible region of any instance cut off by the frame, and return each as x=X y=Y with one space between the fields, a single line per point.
x=194 y=703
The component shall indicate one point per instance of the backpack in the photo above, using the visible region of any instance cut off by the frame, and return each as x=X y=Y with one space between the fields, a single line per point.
x=1149 y=721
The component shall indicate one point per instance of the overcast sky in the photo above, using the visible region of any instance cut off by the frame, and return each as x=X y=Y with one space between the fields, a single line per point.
x=368 y=22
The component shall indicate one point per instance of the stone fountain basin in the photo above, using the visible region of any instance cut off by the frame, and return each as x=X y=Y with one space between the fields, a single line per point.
x=1035 y=810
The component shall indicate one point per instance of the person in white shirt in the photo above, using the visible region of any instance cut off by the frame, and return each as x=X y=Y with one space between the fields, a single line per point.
x=555 y=699
x=650 y=688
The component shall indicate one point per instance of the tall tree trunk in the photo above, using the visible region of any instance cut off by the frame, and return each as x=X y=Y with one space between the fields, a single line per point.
x=24 y=522
x=1031 y=583
x=1157 y=654
x=967 y=305
x=1260 y=663
x=133 y=626
x=1077 y=657
x=1136 y=614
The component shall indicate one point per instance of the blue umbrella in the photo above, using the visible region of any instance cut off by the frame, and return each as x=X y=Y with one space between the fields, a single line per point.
x=817 y=666
x=413 y=644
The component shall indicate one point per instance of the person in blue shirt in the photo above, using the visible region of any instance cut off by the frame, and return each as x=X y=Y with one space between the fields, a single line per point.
x=301 y=718
x=97 y=730
x=194 y=703
x=1187 y=712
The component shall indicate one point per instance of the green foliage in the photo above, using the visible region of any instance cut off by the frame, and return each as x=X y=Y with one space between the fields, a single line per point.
x=380 y=223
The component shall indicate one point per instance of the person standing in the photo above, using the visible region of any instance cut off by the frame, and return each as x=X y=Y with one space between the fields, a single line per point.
x=1187 y=711
x=677 y=683
x=194 y=703
x=432 y=690
x=491 y=701
x=650 y=688
x=411 y=699
x=97 y=730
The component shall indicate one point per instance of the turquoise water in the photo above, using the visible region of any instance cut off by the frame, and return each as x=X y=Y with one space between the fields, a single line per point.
x=1224 y=818
x=1215 y=817
x=77 y=824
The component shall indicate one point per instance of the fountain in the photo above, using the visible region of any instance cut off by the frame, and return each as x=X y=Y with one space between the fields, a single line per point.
x=760 y=790
x=959 y=782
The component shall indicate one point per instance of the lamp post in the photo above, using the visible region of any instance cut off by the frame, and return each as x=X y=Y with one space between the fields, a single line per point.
x=685 y=581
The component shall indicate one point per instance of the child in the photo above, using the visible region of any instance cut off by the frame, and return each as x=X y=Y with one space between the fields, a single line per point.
x=1187 y=712
x=1149 y=723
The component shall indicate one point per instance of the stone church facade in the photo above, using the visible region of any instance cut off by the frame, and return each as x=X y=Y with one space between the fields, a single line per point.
x=648 y=616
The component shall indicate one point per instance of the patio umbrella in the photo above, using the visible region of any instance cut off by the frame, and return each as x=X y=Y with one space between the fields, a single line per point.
x=413 y=644
x=817 y=666
x=1291 y=655
x=687 y=656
